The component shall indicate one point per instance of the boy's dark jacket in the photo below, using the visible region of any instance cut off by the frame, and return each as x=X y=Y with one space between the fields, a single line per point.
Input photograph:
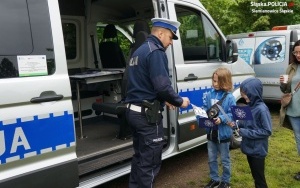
x=255 y=132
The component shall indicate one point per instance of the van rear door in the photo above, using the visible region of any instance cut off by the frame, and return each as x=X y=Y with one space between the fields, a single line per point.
x=268 y=52
x=270 y=60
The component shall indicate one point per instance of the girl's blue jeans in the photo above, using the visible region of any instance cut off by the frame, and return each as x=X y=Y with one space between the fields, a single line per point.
x=213 y=150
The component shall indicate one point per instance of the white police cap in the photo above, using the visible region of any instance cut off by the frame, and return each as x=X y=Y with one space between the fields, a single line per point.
x=172 y=25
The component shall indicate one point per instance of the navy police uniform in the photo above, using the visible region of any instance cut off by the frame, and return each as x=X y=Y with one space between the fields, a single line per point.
x=148 y=79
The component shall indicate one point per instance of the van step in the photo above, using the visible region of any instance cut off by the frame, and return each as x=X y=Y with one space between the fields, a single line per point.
x=105 y=161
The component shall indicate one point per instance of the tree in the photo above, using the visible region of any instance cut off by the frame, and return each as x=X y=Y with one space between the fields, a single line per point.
x=238 y=16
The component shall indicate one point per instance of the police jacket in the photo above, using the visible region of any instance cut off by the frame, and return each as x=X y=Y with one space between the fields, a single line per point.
x=148 y=75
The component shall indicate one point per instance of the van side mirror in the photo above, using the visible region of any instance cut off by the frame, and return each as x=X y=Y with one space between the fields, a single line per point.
x=231 y=51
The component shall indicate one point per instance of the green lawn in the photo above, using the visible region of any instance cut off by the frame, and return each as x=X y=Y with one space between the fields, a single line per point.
x=282 y=161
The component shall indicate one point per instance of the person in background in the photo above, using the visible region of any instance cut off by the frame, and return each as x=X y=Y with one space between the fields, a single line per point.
x=219 y=135
x=255 y=133
x=292 y=111
x=148 y=90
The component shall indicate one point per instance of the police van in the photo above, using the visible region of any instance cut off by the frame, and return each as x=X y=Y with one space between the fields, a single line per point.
x=268 y=52
x=62 y=74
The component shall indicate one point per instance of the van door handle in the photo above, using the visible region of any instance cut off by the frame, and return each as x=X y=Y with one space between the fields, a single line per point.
x=47 y=96
x=190 y=77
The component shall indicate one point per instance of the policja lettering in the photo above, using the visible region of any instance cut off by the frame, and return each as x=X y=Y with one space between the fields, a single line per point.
x=18 y=140
x=133 y=61
x=266 y=4
x=157 y=140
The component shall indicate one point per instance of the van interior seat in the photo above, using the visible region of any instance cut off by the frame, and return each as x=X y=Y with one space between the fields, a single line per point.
x=140 y=38
x=140 y=26
x=119 y=108
x=111 y=54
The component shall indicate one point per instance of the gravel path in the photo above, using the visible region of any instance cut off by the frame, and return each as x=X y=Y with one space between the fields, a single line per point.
x=188 y=169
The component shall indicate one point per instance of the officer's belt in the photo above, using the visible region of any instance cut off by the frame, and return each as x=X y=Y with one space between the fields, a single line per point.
x=137 y=108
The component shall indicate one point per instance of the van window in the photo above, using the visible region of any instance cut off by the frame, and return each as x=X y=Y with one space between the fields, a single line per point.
x=200 y=40
x=70 y=32
x=26 y=40
x=15 y=33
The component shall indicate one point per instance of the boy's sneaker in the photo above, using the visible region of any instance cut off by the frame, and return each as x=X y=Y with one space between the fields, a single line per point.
x=212 y=184
x=224 y=185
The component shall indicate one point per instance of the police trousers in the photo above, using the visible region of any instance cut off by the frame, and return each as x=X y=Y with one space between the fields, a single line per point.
x=148 y=141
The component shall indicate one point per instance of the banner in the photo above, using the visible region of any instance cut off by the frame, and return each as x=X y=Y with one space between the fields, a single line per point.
x=205 y=123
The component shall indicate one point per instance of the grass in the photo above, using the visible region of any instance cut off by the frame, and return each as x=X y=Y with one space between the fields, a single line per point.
x=282 y=161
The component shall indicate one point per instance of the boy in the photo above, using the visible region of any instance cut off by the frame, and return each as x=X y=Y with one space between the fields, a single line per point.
x=255 y=133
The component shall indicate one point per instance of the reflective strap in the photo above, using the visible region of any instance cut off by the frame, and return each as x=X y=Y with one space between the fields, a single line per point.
x=134 y=108
x=137 y=108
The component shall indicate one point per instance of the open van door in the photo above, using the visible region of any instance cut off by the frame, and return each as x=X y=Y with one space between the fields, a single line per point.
x=199 y=51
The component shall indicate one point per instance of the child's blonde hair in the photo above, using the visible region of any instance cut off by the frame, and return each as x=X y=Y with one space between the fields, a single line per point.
x=224 y=78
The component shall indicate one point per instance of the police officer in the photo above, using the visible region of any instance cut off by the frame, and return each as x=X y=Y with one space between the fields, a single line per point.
x=148 y=90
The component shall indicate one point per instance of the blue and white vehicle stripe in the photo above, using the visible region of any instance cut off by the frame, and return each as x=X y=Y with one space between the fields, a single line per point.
x=30 y=136
x=196 y=95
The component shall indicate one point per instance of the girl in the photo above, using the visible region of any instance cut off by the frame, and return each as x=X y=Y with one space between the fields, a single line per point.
x=219 y=135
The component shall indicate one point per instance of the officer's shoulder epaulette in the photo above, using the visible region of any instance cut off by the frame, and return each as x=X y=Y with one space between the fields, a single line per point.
x=154 y=46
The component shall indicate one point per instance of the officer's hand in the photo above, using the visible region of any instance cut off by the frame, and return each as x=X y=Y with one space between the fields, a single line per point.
x=170 y=106
x=186 y=102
